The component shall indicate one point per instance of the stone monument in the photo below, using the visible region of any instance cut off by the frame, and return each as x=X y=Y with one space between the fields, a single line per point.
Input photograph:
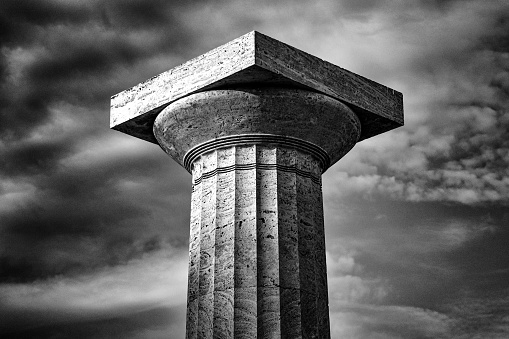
x=257 y=122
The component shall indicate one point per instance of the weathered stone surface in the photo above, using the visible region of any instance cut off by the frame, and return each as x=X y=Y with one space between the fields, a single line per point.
x=291 y=315
x=194 y=258
x=245 y=313
x=262 y=271
x=269 y=318
x=205 y=316
x=223 y=314
x=253 y=59
x=326 y=126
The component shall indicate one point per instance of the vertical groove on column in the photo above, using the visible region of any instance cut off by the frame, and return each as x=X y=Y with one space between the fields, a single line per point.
x=194 y=255
x=207 y=249
x=268 y=252
x=288 y=247
x=245 y=276
x=307 y=247
x=224 y=242
x=321 y=266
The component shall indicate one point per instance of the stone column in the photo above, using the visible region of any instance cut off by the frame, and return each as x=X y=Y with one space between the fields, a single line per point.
x=257 y=122
x=257 y=246
x=257 y=256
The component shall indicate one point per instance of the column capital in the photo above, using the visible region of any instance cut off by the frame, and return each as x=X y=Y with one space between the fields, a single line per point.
x=309 y=121
x=255 y=59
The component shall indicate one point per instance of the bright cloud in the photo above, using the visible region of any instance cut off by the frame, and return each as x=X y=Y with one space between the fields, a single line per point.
x=155 y=279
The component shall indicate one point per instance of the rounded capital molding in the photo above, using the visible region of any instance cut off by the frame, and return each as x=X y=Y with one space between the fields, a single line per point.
x=256 y=139
x=309 y=121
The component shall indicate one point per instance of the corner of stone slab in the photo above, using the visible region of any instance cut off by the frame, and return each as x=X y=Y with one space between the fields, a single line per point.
x=113 y=119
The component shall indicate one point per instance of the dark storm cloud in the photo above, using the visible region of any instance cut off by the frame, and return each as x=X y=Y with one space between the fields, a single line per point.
x=62 y=56
x=78 y=218
x=21 y=20
x=140 y=14
x=152 y=323
x=33 y=157
x=429 y=252
x=456 y=148
x=441 y=260
x=86 y=58
x=81 y=206
x=60 y=236
x=69 y=48
x=152 y=284
x=81 y=218
x=45 y=12
x=370 y=7
x=479 y=258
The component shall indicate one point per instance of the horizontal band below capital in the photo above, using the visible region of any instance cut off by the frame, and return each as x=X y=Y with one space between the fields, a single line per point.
x=257 y=139
x=267 y=167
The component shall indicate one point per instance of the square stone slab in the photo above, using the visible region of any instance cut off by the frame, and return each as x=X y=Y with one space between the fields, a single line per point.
x=256 y=59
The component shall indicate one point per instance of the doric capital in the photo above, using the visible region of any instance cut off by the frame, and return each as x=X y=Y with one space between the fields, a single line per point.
x=309 y=121
x=256 y=59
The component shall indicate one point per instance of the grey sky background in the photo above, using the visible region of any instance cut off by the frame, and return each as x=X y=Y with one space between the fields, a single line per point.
x=94 y=223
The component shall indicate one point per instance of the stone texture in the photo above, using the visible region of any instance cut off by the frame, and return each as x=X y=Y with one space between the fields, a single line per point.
x=293 y=115
x=262 y=271
x=250 y=59
x=267 y=241
x=194 y=258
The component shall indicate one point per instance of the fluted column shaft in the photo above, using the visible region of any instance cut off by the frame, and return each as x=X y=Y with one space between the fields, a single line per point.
x=257 y=246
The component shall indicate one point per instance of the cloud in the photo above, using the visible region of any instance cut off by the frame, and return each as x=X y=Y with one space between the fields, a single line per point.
x=151 y=323
x=386 y=321
x=86 y=205
x=68 y=51
x=483 y=316
x=374 y=278
x=92 y=221
x=155 y=279
x=453 y=147
x=472 y=318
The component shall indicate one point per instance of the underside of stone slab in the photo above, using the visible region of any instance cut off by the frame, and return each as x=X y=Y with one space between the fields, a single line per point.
x=255 y=59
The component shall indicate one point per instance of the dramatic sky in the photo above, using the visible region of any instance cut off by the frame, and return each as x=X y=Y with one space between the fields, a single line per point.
x=94 y=223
